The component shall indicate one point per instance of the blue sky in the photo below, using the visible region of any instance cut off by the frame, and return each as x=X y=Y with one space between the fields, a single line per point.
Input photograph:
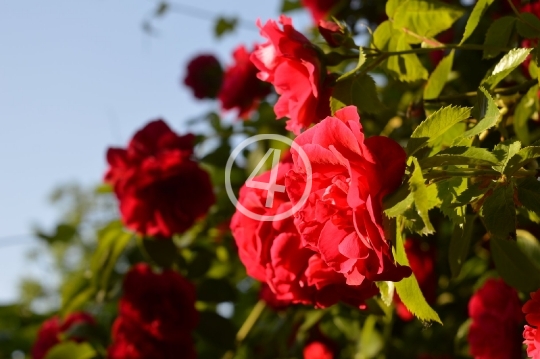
x=79 y=76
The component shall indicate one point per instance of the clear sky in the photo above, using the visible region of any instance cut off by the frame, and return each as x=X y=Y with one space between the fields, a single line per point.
x=79 y=76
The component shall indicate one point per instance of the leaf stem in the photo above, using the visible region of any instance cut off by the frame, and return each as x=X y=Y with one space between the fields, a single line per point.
x=523 y=87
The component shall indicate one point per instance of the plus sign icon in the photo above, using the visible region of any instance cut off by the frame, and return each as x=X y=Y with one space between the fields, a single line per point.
x=271 y=186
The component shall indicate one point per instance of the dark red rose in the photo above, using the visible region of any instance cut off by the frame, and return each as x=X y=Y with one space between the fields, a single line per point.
x=422 y=261
x=290 y=62
x=342 y=218
x=161 y=189
x=495 y=311
x=318 y=350
x=204 y=76
x=272 y=252
x=241 y=88
x=130 y=342
x=162 y=304
x=320 y=9
x=531 y=333
x=51 y=330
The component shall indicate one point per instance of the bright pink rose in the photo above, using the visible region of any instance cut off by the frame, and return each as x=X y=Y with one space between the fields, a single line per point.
x=241 y=88
x=320 y=9
x=422 y=261
x=531 y=333
x=290 y=62
x=272 y=252
x=52 y=329
x=161 y=189
x=318 y=350
x=342 y=218
x=204 y=75
x=495 y=311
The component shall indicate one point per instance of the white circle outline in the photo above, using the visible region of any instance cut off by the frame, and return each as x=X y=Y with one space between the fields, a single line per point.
x=244 y=210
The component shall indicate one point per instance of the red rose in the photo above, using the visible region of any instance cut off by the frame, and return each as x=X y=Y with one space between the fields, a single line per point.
x=161 y=189
x=342 y=218
x=273 y=253
x=129 y=342
x=496 y=316
x=318 y=350
x=422 y=261
x=290 y=62
x=51 y=330
x=320 y=9
x=161 y=304
x=332 y=33
x=272 y=300
x=204 y=76
x=241 y=88
x=531 y=333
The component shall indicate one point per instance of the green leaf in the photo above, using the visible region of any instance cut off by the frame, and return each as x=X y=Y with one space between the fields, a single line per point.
x=478 y=11
x=529 y=245
x=391 y=7
x=398 y=202
x=459 y=245
x=520 y=159
x=361 y=62
x=387 y=292
x=505 y=66
x=71 y=350
x=514 y=266
x=422 y=195
x=526 y=107
x=161 y=9
x=460 y=155
x=438 y=78
x=448 y=192
x=435 y=126
x=360 y=91
x=112 y=240
x=504 y=151
x=528 y=25
x=162 y=252
x=408 y=289
x=224 y=26
x=487 y=110
x=406 y=68
x=425 y=18
x=499 y=212
x=371 y=341
x=529 y=194
x=498 y=36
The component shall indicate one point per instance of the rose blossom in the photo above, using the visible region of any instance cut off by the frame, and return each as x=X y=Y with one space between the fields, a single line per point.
x=156 y=315
x=272 y=252
x=204 y=75
x=496 y=316
x=161 y=189
x=318 y=350
x=422 y=261
x=290 y=62
x=531 y=333
x=342 y=218
x=51 y=330
x=241 y=88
